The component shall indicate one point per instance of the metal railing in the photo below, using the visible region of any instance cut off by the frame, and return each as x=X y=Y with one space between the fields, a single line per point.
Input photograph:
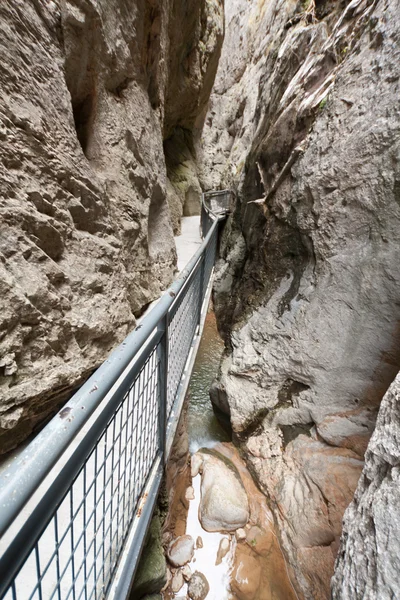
x=76 y=503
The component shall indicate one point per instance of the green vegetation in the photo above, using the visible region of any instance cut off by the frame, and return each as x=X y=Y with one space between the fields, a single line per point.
x=323 y=102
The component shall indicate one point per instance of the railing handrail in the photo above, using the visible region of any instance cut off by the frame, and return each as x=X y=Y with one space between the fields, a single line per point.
x=20 y=480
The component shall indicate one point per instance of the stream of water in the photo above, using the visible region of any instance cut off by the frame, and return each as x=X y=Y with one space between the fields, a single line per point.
x=205 y=431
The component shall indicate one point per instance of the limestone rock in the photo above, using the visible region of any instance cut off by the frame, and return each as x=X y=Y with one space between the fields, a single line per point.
x=196 y=464
x=86 y=239
x=181 y=550
x=198 y=586
x=307 y=288
x=189 y=494
x=368 y=563
x=224 y=504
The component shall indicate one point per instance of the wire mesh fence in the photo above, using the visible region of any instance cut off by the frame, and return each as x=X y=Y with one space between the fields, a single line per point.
x=77 y=553
x=73 y=543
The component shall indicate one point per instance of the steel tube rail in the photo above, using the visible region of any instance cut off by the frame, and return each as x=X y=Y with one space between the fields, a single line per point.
x=134 y=378
x=22 y=477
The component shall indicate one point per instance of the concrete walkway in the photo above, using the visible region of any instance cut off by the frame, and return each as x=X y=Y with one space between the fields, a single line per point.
x=189 y=241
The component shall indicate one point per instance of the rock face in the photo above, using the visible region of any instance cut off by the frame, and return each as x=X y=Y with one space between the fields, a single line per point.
x=304 y=125
x=90 y=91
x=368 y=563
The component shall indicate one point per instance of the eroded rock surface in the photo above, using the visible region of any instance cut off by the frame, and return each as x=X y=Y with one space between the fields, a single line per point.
x=90 y=91
x=368 y=563
x=198 y=587
x=304 y=125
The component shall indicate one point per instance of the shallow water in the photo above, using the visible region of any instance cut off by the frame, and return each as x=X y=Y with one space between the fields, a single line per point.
x=204 y=558
x=204 y=428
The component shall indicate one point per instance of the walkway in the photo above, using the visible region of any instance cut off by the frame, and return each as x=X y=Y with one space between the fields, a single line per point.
x=189 y=241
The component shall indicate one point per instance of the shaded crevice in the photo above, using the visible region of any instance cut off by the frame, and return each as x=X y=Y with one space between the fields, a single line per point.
x=83 y=112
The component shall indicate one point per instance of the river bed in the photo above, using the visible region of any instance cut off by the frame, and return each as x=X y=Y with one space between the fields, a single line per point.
x=254 y=567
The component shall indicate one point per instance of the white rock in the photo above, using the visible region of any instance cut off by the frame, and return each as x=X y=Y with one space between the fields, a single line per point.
x=224 y=505
x=181 y=550
x=240 y=534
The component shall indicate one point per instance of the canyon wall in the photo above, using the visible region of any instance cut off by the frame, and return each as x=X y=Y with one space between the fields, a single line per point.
x=304 y=124
x=368 y=563
x=90 y=92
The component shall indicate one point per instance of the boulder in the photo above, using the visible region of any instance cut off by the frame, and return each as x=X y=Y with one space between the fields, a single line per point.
x=181 y=550
x=198 y=587
x=224 y=505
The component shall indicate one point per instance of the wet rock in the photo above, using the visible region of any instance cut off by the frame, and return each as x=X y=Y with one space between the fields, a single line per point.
x=177 y=581
x=224 y=504
x=223 y=550
x=246 y=578
x=198 y=586
x=181 y=550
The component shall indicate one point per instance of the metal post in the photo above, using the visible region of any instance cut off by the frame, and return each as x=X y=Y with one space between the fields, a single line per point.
x=163 y=350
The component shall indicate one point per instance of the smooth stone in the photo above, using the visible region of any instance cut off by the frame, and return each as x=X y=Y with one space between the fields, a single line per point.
x=181 y=550
x=199 y=542
x=224 y=505
x=196 y=464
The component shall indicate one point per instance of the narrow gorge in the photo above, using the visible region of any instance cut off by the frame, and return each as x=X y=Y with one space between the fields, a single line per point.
x=116 y=115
